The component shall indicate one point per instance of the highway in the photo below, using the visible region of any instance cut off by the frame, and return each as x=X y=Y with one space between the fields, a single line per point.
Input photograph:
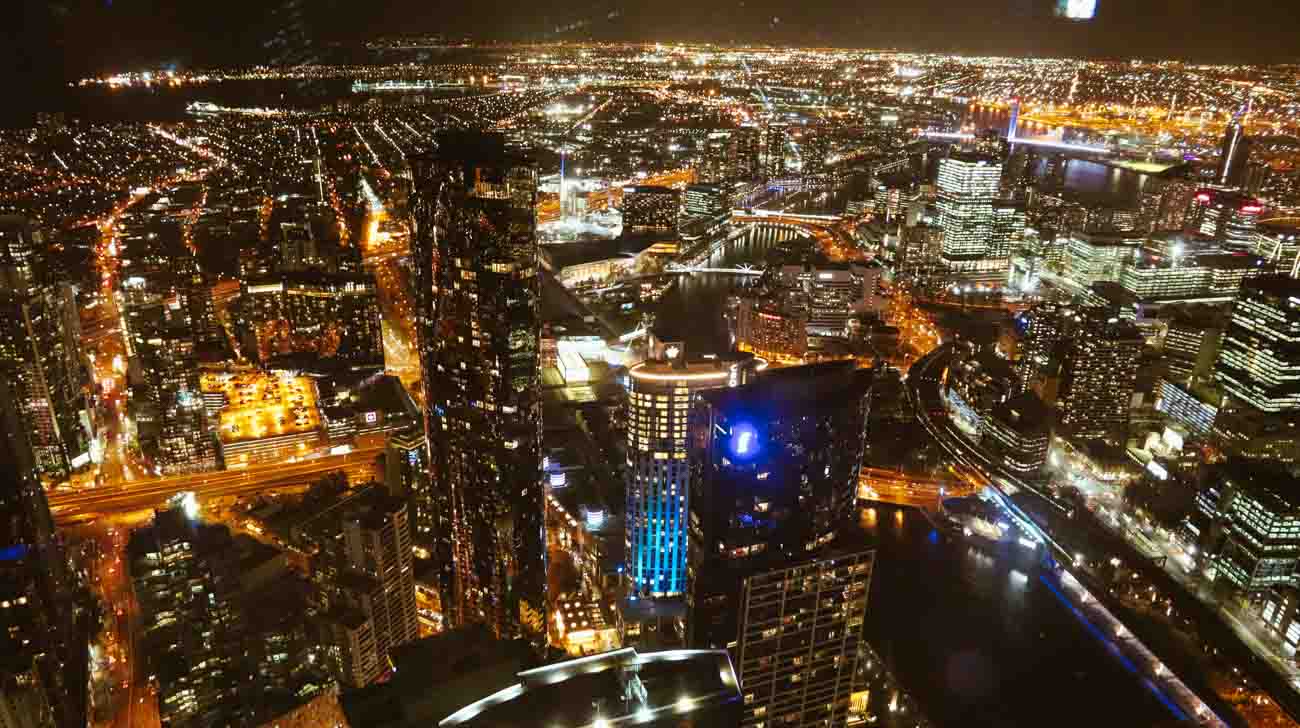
x=153 y=492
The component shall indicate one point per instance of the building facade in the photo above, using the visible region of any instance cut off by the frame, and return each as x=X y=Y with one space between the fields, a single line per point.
x=661 y=393
x=1098 y=377
x=1259 y=359
x=475 y=251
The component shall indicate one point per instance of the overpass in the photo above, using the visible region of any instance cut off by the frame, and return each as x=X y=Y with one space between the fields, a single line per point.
x=143 y=493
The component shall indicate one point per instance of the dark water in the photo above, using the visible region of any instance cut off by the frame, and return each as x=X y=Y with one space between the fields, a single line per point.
x=972 y=634
x=979 y=640
x=1087 y=180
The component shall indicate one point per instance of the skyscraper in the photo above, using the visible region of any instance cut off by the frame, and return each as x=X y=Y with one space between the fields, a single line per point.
x=1099 y=375
x=42 y=659
x=475 y=249
x=968 y=184
x=778 y=135
x=363 y=571
x=40 y=349
x=1044 y=329
x=661 y=391
x=1229 y=217
x=186 y=576
x=1259 y=357
x=1234 y=156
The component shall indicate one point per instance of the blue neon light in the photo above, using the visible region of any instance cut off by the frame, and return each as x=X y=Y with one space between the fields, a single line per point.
x=13 y=553
x=744 y=441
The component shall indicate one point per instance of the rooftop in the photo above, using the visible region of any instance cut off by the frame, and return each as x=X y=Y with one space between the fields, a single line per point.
x=682 y=688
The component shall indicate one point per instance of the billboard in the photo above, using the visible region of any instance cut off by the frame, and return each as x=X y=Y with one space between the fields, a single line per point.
x=1076 y=9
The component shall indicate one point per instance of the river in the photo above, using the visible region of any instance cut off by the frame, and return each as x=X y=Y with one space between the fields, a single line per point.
x=970 y=632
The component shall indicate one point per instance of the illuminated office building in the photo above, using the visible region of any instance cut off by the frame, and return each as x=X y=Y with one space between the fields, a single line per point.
x=474 y=247
x=1093 y=257
x=1019 y=431
x=186 y=576
x=648 y=207
x=835 y=292
x=1262 y=548
x=1098 y=377
x=661 y=392
x=1190 y=277
x=1259 y=359
x=1234 y=157
x=1229 y=217
x=1278 y=243
x=968 y=186
x=1178 y=403
x=706 y=201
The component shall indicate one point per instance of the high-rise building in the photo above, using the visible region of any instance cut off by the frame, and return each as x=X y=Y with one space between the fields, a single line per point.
x=1098 y=376
x=474 y=245
x=661 y=392
x=746 y=159
x=1229 y=217
x=186 y=577
x=1093 y=257
x=1019 y=432
x=1278 y=243
x=1044 y=329
x=968 y=185
x=1259 y=358
x=815 y=150
x=406 y=475
x=1262 y=548
x=364 y=571
x=801 y=646
x=778 y=575
x=40 y=349
x=778 y=136
x=706 y=201
x=42 y=660
x=1234 y=156
x=773 y=327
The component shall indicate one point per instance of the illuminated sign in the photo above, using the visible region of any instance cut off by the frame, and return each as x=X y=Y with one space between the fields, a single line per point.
x=372 y=418
x=744 y=441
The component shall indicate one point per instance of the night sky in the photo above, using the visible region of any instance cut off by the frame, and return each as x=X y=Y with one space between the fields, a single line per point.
x=53 y=40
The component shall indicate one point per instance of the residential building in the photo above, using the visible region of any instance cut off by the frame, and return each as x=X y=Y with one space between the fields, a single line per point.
x=474 y=247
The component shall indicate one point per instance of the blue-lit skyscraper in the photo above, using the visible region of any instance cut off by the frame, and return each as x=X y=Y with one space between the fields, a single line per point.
x=661 y=392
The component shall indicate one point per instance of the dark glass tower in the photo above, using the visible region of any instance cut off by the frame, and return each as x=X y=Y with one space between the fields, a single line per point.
x=780 y=573
x=475 y=248
x=42 y=652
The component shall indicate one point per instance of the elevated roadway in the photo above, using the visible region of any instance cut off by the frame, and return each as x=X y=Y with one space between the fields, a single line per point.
x=140 y=494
